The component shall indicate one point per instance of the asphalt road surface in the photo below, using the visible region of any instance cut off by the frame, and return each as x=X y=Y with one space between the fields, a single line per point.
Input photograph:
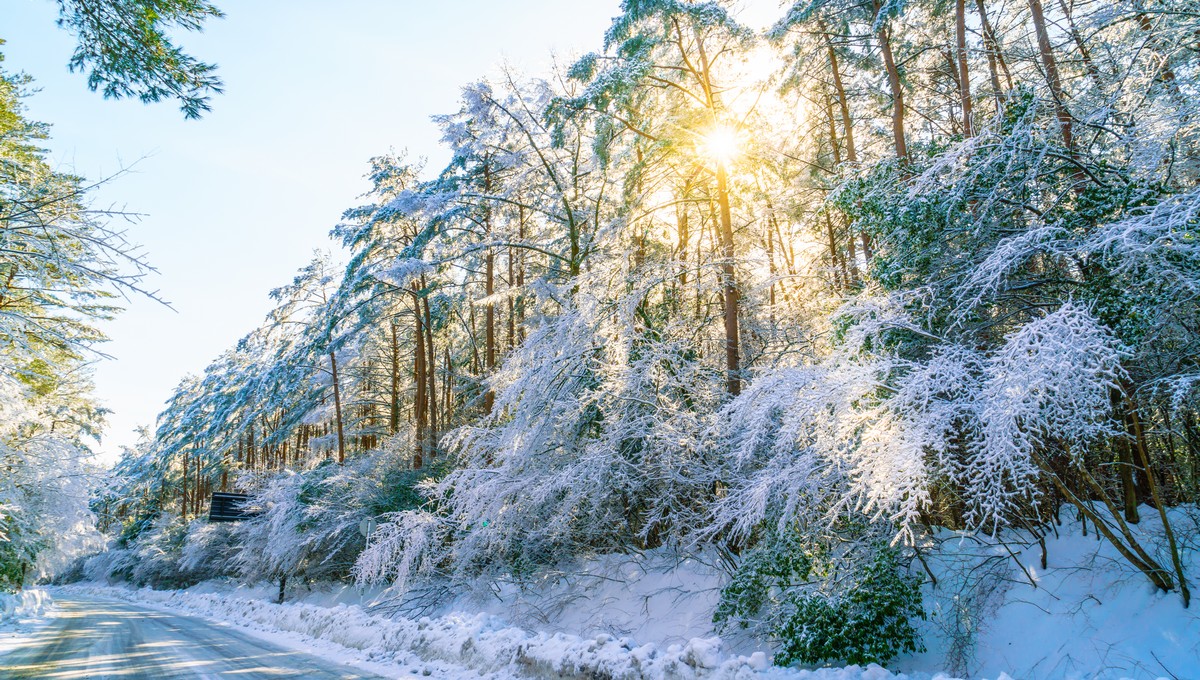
x=92 y=638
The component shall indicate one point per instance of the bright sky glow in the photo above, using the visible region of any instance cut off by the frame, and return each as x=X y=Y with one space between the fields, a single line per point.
x=235 y=203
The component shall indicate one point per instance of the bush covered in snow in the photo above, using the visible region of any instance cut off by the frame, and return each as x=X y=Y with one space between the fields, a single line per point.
x=868 y=620
x=308 y=529
x=822 y=602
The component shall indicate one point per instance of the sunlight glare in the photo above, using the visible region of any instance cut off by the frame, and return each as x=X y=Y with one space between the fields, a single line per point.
x=720 y=144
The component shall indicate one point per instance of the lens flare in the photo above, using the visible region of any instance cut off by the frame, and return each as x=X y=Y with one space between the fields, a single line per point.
x=720 y=144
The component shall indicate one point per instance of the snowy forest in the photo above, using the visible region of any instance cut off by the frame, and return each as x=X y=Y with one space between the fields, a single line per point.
x=813 y=303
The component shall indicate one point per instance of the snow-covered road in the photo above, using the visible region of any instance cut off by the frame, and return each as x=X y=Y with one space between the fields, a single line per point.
x=90 y=637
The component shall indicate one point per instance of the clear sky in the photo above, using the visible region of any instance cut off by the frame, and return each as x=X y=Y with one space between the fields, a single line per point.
x=234 y=203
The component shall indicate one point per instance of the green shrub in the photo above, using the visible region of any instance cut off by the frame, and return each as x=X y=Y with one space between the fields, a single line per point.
x=870 y=621
x=820 y=608
x=18 y=553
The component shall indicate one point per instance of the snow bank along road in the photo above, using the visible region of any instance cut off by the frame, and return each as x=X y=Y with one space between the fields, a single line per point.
x=91 y=637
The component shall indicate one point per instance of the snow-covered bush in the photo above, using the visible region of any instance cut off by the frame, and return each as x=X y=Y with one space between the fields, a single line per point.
x=1045 y=393
x=594 y=423
x=874 y=431
x=114 y=564
x=310 y=527
x=868 y=620
x=292 y=538
x=155 y=558
x=45 y=487
x=16 y=559
x=158 y=553
x=825 y=602
x=209 y=549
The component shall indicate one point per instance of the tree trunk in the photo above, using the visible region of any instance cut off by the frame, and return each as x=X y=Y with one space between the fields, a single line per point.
x=834 y=254
x=843 y=103
x=1176 y=561
x=772 y=270
x=893 y=76
x=512 y=303
x=681 y=226
x=489 y=399
x=852 y=252
x=992 y=44
x=198 y=489
x=476 y=366
x=964 y=82
x=521 y=277
x=183 y=498
x=994 y=58
x=447 y=392
x=1166 y=74
x=337 y=407
x=729 y=286
x=733 y=383
x=1051 y=67
x=868 y=248
x=431 y=371
x=833 y=138
x=1129 y=495
x=421 y=400
x=1125 y=464
x=1142 y=472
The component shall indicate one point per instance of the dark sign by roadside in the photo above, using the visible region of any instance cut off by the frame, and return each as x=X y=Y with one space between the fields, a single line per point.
x=229 y=507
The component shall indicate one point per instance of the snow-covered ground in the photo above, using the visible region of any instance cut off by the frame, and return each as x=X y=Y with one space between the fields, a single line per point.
x=1091 y=614
x=21 y=614
x=97 y=637
x=473 y=645
x=27 y=604
x=993 y=614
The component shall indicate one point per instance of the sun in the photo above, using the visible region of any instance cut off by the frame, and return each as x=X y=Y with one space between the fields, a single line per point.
x=720 y=144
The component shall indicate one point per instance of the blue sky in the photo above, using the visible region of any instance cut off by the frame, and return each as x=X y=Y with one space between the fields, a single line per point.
x=233 y=204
